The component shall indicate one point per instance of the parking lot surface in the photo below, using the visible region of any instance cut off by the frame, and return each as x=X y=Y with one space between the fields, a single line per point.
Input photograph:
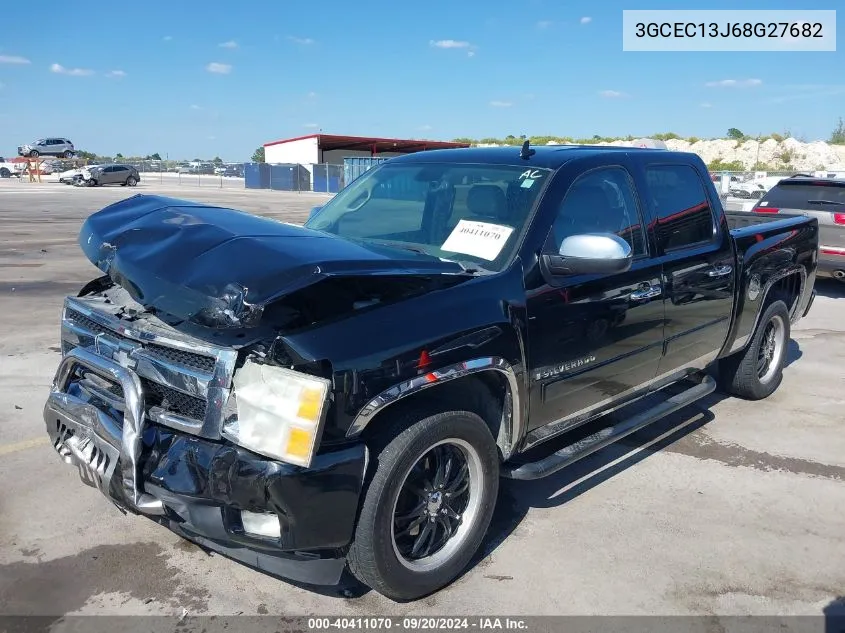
x=728 y=507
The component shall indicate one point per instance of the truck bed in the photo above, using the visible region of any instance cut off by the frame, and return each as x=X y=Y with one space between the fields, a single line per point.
x=742 y=219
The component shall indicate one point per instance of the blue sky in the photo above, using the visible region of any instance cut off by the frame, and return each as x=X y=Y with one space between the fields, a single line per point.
x=172 y=78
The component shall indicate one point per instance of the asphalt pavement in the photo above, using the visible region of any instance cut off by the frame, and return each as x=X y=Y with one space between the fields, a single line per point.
x=727 y=507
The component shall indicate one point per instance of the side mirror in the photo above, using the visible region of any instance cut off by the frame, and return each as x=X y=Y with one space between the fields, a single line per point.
x=314 y=211
x=590 y=254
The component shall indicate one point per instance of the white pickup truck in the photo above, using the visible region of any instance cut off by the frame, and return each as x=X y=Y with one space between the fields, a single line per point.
x=7 y=170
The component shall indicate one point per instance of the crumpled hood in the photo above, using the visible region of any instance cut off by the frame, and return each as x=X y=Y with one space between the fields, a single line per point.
x=220 y=267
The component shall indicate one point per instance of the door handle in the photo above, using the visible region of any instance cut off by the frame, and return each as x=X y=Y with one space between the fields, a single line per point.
x=720 y=271
x=646 y=292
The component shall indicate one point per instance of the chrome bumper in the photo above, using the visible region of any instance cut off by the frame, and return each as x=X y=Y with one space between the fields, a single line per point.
x=94 y=441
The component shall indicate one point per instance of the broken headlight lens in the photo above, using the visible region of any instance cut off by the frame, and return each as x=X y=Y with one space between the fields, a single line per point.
x=278 y=412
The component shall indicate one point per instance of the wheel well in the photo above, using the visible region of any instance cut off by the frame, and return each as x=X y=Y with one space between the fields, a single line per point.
x=788 y=290
x=484 y=394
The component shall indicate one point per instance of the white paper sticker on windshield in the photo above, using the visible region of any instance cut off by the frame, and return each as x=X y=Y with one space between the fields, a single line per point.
x=478 y=239
x=764 y=203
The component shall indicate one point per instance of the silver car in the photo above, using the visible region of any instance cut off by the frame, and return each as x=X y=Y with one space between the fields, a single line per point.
x=114 y=174
x=53 y=146
x=821 y=198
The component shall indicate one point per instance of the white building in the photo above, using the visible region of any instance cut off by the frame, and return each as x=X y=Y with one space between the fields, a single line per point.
x=332 y=149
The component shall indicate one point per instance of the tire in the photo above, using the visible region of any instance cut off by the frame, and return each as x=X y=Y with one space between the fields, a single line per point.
x=68 y=154
x=33 y=153
x=131 y=182
x=384 y=559
x=748 y=374
x=92 y=183
x=5 y=173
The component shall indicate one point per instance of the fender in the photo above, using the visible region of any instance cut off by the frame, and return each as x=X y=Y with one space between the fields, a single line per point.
x=511 y=429
x=794 y=312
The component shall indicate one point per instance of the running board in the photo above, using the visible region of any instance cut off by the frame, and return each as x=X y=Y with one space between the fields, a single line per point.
x=608 y=435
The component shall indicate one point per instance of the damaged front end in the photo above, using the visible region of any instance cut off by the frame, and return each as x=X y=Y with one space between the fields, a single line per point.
x=178 y=397
x=148 y=414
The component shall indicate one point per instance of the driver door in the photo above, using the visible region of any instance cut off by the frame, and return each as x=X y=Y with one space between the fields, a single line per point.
x=594 y=338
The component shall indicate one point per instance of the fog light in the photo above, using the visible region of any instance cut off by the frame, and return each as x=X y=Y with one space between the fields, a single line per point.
x=261 y=524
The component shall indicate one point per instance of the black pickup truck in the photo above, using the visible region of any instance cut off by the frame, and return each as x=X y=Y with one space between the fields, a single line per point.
x=345 y=395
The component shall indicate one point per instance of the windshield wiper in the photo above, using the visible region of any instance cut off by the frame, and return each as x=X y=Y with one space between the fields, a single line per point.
x=839 y=202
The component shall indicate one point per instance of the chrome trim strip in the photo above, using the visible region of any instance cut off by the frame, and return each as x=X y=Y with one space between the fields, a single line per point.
x=129 y=442
x=510 y=432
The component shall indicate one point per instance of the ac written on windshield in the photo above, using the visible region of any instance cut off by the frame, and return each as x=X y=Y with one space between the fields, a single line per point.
x=477 y=211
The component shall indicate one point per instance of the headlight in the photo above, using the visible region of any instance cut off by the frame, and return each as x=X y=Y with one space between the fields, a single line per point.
x=277 y=412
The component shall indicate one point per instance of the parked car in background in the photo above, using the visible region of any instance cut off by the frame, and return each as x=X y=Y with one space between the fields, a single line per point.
x=113 y=174
x=53 y=146
x=7 y=170
x=234 y=171
x=73 y=175
x=820 y=198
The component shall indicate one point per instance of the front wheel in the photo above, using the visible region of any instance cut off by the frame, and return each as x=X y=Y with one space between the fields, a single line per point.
x=756 y=372
x=5 y=173
x=33 y=154
x=428 y=505
x=131 y=182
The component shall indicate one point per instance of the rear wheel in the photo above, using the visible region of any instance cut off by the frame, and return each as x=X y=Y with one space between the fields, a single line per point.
x=757 y=371
x=68 y=154
x=428 y=505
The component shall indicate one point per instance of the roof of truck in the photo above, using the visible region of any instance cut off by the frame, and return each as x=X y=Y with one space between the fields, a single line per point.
x=544 y=156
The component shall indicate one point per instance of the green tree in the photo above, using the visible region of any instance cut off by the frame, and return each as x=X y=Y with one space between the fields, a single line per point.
x=837 y=137
x=217 y=161
x=735 y=134
x=258 y=155
x=118 y=156
x=719 y=165
x=86 y=155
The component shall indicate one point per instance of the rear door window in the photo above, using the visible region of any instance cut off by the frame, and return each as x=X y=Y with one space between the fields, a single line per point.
x=684 y=217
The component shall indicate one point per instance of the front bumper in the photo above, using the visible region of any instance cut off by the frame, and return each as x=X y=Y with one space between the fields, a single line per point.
x=197 y=487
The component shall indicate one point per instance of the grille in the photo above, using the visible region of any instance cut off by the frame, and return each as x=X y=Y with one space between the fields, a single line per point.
x=181 y=357
x=174 y=401
x=83 y=321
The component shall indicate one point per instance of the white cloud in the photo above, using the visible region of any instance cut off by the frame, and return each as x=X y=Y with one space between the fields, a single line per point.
x=311 y=95
x=586 y=19
x=311 y=125
x=706 y=105
x=470 y=53
x=73 y=72
x=167 y=38
x=449 y=44
x=612 y=94
x=426 y=128
x=211 y=138
x=501 y=104
x=116 y=73
x=301 y=40
x=544 y=24
x=218 y=68
x=229 y=44
x=195 y=107
x=13 y=59
x=734 y=83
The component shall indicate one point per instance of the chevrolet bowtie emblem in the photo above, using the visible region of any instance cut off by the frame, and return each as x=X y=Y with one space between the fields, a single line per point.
x=123 y=359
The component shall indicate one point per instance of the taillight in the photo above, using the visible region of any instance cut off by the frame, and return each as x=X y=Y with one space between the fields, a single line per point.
x=765 y=210
x=839 y=218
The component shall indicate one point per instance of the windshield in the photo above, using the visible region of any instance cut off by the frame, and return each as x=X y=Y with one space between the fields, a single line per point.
x=471 y=213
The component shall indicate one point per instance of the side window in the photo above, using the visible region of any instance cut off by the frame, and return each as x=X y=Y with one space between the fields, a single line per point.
x=108 y=170
x=684 y=216
x=601 y=201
